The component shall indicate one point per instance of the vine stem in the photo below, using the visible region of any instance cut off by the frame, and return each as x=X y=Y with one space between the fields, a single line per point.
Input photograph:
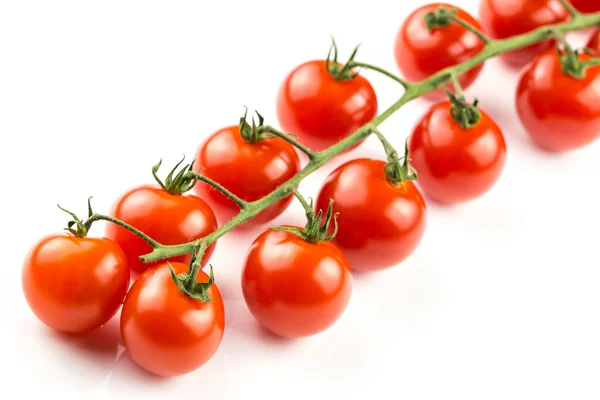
x=569 y=7
x=484 y=38
x=413 y=90
x=241 y=203
x=403 y=82
x=288 y=138
x=99 y=217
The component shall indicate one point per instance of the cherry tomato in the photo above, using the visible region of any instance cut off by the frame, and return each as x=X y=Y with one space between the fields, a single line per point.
x=380 y=223
x=506 y=18
x=75 y=284
x=248 y=170
x=594 y=42
x=321 y=110
x=295 y=288
x=586 y=6
x=165 y=217
x=558 y=111
x=165 y=331
x=420 y=53
x=456 y=164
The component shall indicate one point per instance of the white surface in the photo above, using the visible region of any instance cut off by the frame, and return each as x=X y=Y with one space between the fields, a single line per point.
x=500 y=300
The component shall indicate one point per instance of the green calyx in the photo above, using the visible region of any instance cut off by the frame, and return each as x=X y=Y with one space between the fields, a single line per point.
x=255 y=132
x=399 y=170
x=440 y=18
x=198 y=290
x=76 y=226
x=466 y=114
x=572 y=64
x=340 y=72
x=316 y=230
x=177 y=183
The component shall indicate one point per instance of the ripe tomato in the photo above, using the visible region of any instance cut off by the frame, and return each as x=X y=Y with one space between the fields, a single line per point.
x=75 y=284
x=506 y=18
x=586 y=6
x=558 y=111
x=594 y=42
x=380 y=223
x=321 y=110
x=456 y=164
x=165 y=331
x=295 y=288
x=165 y=217
x=248 y=170
x=420 y=53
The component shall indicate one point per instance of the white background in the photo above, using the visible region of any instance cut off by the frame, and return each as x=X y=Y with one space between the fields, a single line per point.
x=500 y=300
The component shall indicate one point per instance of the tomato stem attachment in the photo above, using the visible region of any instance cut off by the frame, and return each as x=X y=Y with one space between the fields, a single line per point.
x=186 y=282
x=466 y=114
x=397 y=169
x=443 y=17
x=569 y=7
x=569 y=58
x=288 y=137
x=403 y=82
x=315 y=230
x=178 y=184
x=340 y=72
x=81 y=228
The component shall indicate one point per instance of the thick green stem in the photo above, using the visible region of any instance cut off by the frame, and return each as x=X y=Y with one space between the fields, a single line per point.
x=413 y=90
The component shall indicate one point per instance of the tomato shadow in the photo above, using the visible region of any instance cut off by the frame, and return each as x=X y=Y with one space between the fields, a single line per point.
x=127 y=375
x=74 y=362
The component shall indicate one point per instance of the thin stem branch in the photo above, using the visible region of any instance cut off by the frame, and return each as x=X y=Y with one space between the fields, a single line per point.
x=98 y=217
x=199 y=249
x=457 y=87
x=401 y=81
x=413 y=90
x=241 y=203
x=485 y=38
x=302 y=201
x=288 y=138
x=569 y=7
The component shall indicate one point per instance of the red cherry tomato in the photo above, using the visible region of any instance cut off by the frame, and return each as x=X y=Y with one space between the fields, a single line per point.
x=167 y=218
x=380 y=224
x=248 y=170
x=167 y=332
x=75 y=284
x=420 y=53
x=321 y=110
x=506 y=18
x=558 y=111
x=586 y=6
x=456 y=164
x=594 y=42
x=295 y=288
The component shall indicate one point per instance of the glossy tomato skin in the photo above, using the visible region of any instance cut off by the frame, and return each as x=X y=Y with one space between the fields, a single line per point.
x=586 y=6
x=167 y=332
x=505 y=18
x=248 y=170
x=295 y=288
x=558 y=111
x=167 y=218
x=594 y=42
x=321 y=110
x=380 y=224
x=74 y=284
x=455 y=164
x=420 y=53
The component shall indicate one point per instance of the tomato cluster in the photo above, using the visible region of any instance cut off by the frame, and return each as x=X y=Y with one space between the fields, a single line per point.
x=369 y=215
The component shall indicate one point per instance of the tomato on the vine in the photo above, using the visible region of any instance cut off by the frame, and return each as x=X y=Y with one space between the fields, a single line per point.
x=322 y=109
x=293 y=287
x=505 y=18
x=165 y=214
x=560 y=111
x=75 y=284
x=380 y=222
x=586 y=6
x=421 y=51
x=594 y=43
x=166 y=331
x=456 y=163
x=249 y=166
